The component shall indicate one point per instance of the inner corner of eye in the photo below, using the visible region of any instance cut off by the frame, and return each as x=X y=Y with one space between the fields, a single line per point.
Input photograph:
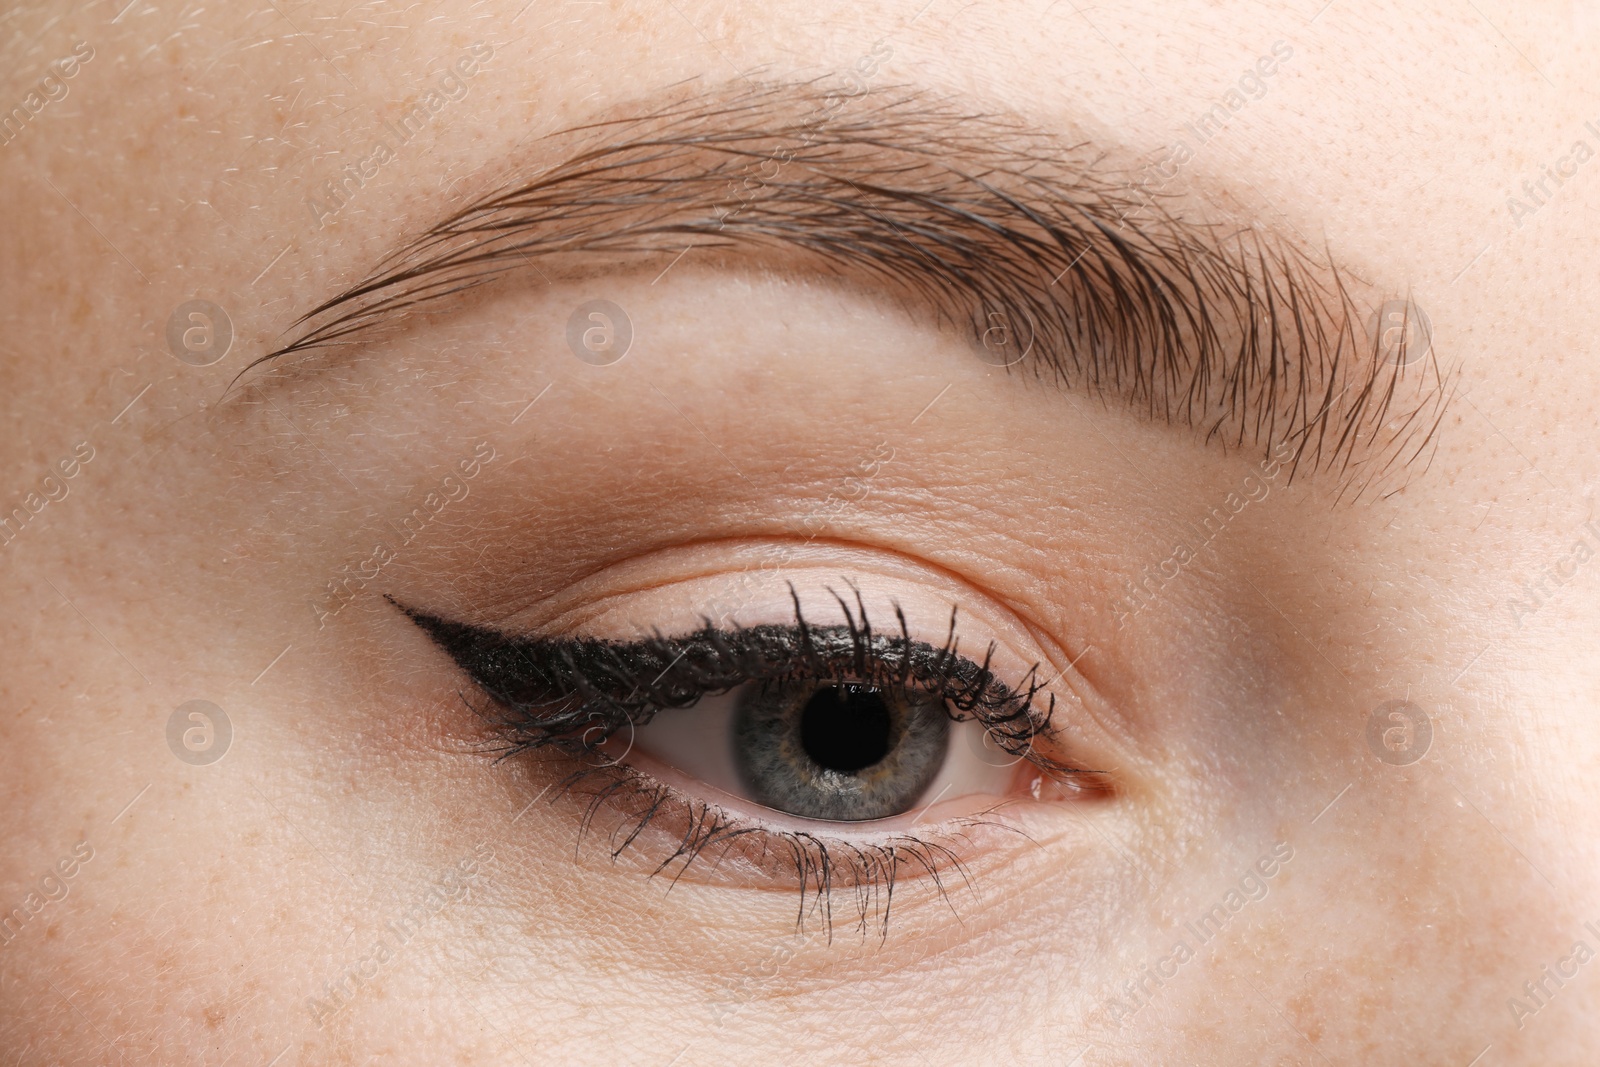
x=830 y=750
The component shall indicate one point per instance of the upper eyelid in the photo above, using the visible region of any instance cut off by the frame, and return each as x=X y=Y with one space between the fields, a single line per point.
x=505 y=666
x=1241 y=334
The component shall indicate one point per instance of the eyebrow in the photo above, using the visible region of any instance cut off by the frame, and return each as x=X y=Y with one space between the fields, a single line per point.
x=971 y=217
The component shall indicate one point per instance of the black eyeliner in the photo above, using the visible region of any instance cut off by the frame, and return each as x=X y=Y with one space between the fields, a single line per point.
x=573 y=693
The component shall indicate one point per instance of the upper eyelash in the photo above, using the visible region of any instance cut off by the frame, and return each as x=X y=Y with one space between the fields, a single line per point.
x=574 y=693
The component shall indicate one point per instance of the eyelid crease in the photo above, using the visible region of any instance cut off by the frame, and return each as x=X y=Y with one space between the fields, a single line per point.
x=1237 y=332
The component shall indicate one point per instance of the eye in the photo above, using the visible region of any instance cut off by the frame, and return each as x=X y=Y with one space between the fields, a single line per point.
x=771 y=739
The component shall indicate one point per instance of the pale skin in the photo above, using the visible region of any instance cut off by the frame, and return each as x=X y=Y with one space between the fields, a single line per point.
x=1374 y=910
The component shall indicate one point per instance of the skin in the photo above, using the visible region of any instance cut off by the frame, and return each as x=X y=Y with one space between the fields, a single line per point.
x=1417 y=899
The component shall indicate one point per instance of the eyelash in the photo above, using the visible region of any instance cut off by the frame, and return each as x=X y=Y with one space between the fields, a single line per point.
x=571 y=695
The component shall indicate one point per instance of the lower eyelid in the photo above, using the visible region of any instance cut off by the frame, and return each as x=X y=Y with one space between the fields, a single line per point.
x=933 y=811
x=647 y=817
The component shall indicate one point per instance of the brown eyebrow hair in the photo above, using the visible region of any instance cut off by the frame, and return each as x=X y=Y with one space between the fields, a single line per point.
x=964 y=215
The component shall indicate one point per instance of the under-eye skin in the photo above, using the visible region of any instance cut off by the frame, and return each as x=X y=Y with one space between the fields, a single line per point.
x=833 y=728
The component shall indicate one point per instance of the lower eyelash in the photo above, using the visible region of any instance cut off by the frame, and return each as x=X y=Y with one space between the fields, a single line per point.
x=820 y=866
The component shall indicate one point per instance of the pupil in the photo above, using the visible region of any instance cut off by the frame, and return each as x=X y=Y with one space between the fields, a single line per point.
x=845 y=727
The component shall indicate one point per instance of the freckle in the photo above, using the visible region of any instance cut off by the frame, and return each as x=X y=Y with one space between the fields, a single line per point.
x=51 y=931
x=1303 y=1008
x=215 y=1017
